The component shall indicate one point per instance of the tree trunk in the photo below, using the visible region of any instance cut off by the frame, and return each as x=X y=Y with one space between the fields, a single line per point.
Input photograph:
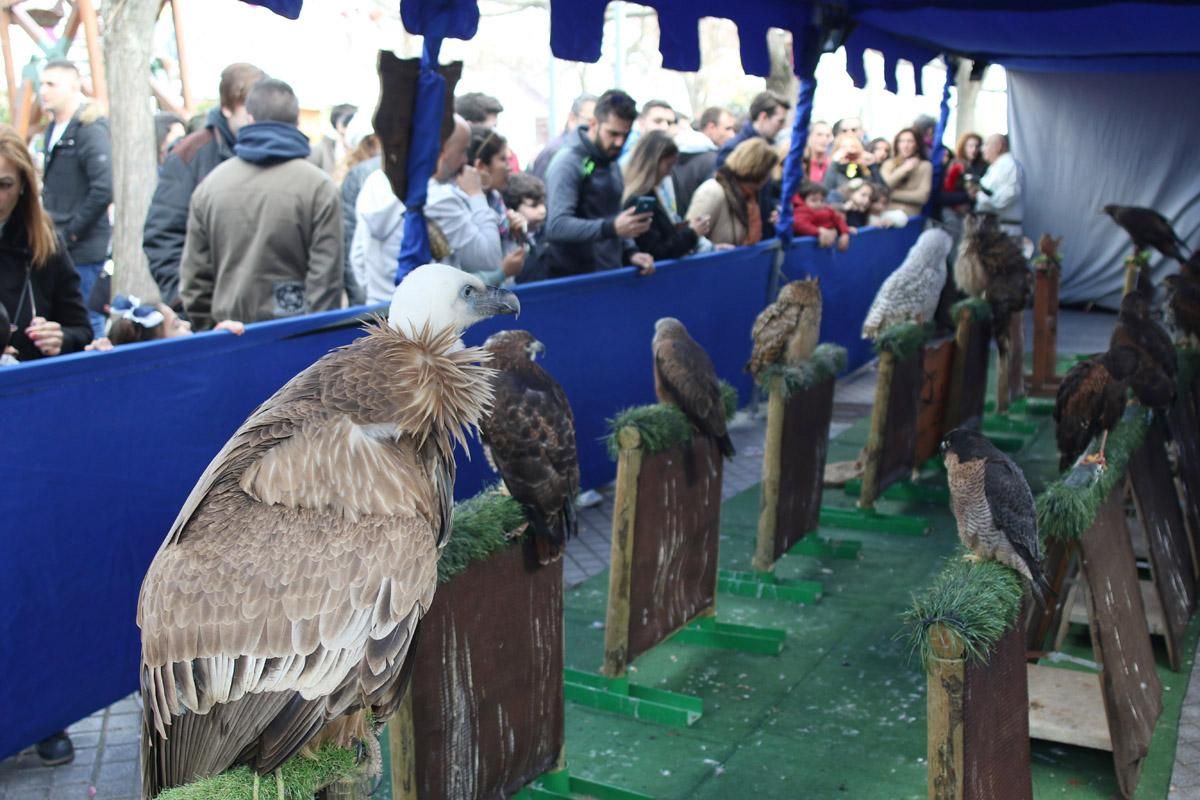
x=968 y=90
x=781 y=81
x=128 y=35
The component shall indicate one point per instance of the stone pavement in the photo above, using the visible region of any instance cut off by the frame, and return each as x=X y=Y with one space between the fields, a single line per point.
x=106 y=743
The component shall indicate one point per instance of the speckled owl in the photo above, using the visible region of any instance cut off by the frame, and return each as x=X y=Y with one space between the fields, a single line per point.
x=910 y=294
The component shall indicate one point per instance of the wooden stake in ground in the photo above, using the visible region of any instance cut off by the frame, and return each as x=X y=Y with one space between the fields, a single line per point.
x=616 y=630
x=128 y=36
x=874 y=454
x=768 y=515
x=944 y=710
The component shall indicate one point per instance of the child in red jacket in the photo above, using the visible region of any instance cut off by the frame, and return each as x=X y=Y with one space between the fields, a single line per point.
x=812 y=216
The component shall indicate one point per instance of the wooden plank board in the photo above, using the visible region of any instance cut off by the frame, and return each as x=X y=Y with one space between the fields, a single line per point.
x=673 y=574
x=1067 y=706
x=996 y=724
x=968 y=393
x=1154 y=615
x=1166 y=535
x=1132 y=691
x=1185 y=433
x=936 y=369
x=479 y=731
x=805 y=441
x=900 y=423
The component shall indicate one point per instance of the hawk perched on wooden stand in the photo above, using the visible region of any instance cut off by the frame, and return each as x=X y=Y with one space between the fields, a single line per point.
x=684 y=376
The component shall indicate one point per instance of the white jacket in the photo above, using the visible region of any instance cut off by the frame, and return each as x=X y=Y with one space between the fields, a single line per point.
x=1002 y=197
x=375 y=249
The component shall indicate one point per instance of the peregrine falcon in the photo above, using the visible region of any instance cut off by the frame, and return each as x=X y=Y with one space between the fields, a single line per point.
x=993 y=506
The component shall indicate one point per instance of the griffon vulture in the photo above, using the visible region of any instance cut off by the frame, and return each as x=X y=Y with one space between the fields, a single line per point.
x=285 y=600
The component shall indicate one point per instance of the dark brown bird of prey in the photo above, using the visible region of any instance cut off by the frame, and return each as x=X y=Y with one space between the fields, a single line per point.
x=684 y=376
x=1154 y=381
x=993 y=506
x=1090 y=401
x=1183 y=302
x=285 y=600
x=991 y=265
x=1148 y=228
x=530 y=440
x=788 y=330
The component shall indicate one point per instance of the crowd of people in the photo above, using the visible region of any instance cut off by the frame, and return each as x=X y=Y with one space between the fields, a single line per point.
x=250 y=221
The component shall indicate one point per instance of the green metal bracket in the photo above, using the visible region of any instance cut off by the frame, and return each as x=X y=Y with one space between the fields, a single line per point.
x=824 y=547
x=906 y=492
x=707 y=632
x=998 y=423
x=620 y=697
x=765 y=586
x=866 y=519
x=561 y=785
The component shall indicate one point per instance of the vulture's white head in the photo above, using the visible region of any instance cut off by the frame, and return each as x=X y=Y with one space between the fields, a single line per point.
x=442 y=296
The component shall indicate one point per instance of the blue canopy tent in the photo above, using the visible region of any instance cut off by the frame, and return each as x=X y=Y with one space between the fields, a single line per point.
x=95 y=492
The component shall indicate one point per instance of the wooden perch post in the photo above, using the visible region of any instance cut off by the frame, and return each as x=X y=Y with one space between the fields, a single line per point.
x=944 y=709
x=873 y=458
x=768 y=503
x=1044 y=380
x=616 y=628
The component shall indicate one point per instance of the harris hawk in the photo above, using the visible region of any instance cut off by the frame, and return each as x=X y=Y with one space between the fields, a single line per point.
x=530 y=440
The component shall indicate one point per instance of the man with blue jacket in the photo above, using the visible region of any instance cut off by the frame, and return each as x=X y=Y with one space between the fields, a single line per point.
x=264 y=234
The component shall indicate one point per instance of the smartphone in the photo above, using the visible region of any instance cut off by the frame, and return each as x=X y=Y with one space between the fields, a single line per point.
x=645 y=204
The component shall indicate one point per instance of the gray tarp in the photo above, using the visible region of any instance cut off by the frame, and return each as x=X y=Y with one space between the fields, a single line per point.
x=1085 y=140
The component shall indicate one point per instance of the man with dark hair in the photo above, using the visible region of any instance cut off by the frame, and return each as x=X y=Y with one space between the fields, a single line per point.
x=526 y=195
x=698 y=152
x=264 y=234
x=586 y=229
x=848 y=125
x=332 y=148
x=478 y=108
x=581 y=111
x=768 y=113
x=656 y=115
x=192 y=159
x=77 y=186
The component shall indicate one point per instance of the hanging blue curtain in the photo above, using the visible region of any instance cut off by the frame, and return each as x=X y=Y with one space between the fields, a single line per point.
x=793 y=165
x=284 y=8
x=933 y=204
x=435 y=20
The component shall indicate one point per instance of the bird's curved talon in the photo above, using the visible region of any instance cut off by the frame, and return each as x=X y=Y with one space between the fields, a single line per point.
x=972 y=557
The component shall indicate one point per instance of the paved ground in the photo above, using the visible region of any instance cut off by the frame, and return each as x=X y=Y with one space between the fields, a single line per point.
x=107 y=742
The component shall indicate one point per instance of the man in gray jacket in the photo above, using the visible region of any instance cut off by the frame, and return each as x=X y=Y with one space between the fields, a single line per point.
x=264 y=235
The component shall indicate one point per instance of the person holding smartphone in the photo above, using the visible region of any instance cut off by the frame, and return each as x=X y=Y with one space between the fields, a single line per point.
x=648 y=191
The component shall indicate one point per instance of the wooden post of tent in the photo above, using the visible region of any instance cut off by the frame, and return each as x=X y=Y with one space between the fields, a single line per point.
x=24 y=119
x=91 y=32
x=873 y=458
x=1044 y=380
x=616 y=629
x=185 y=83
x=10 y=71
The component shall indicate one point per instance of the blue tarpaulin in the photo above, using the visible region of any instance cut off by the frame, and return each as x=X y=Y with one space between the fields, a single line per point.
x=105 y=447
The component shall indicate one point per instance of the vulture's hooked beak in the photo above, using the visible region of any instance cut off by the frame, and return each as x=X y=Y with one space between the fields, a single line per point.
x=495 y=301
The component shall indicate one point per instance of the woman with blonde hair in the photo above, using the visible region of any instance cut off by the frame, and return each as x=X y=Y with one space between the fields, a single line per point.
x=908 y=173
x=646 y=173
x=731 y=198
x=39 y=286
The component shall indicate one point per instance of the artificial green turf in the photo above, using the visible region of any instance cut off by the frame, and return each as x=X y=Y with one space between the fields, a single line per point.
x=841 y=713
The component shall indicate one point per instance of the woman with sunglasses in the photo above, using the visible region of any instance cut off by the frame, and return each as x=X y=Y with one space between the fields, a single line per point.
x=39 y=286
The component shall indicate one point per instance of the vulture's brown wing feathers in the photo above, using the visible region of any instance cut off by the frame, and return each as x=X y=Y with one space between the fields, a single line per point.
x=685 y=377
x=531 y=439
x=289 y=590
x=772 y=329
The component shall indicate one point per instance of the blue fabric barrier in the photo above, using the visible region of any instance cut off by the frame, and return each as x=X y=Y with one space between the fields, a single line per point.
x=849 y=280
x=103 y=448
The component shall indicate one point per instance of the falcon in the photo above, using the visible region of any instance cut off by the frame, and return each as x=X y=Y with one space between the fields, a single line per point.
x=530 y=439
x=911 y=292
x=285 y=600
x=1154 y=381
x=993 y=506
x=684 y=377
x=1147 y=228
x=787 y=331
x=1090 y=401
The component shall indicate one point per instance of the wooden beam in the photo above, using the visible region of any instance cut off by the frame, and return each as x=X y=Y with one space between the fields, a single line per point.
x=185 y=82
x=91 y=31
x=73 y=22
x=768 y=505
x=616 y=628
x=10 y=72
x=30 y=27
x=944 y=711
x=24 y=117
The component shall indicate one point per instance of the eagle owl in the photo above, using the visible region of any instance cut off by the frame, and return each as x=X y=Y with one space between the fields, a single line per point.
x=788 y=330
